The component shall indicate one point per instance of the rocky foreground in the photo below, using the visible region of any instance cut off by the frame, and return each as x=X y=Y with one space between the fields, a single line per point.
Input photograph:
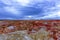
x=30 y=30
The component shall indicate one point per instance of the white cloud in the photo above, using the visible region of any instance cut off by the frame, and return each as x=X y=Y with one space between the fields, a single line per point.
x=12 y=10
x=53 y=12
x=7 y=2
x=16 y=2
x=52 y=15
x=29 y=16
x=22 y=2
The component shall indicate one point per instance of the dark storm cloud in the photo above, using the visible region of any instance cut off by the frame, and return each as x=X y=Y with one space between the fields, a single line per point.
x=31 y=11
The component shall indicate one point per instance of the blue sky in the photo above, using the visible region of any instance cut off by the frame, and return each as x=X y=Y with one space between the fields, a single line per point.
x=29 y=9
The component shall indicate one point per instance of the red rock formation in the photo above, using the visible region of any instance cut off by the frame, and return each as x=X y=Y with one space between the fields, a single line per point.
x=11 y=26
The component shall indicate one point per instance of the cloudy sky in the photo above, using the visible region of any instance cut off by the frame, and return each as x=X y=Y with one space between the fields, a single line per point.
x=29 y=9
